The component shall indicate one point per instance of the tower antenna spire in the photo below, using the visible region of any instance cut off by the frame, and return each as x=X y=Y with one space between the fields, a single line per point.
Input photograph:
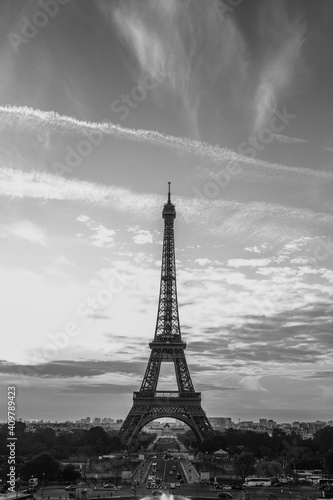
x=169 y=193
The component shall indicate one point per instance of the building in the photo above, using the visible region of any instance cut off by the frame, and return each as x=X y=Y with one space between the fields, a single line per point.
x=221 y=422
x=221 y=454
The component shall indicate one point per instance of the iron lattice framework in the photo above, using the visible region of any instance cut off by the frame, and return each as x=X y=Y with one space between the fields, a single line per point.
x=167 y=346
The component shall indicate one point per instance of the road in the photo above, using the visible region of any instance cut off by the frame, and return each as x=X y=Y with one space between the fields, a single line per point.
x=186 y=490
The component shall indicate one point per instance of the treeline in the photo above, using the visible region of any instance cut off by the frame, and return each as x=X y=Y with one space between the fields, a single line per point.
x=292 y=450
x=85 y=443
x=316 y=453
x=46 y=468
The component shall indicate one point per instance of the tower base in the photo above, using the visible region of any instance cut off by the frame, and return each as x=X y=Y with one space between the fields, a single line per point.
x=173 y=404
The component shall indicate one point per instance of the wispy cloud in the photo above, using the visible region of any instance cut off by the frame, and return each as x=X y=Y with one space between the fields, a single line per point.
x=324 y=374
x=284 y=139
x=284 y=36
x=99 y=388
x=184 y=44
x=71 y=369
x=26 y=230
x=223 y=216
x=248 y=262
x=191 y=47
x=212 y=157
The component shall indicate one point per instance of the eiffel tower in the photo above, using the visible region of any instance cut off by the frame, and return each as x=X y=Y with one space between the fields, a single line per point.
x=167 y=347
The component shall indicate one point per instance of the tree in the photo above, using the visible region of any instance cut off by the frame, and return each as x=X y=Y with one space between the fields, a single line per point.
x=243 y=464
x=46 y=437
x=70 y=474
x=274 y=469
x=212 y=444
x=41 y=464
x=323 y=439
x=188 y=439
x=96 y=434
x=20 y=428
x=145 y=439
x=329 y=461
x=115 y=444
x=268 y=468
x=265 y=452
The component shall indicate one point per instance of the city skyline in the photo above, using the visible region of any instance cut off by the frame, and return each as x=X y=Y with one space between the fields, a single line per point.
x=106 y=420
x=101 y=104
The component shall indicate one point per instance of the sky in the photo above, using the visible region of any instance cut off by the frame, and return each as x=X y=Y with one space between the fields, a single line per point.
x=101 y=104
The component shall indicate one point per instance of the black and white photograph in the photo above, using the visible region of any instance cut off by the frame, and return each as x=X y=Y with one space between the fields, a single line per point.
x=166 y=249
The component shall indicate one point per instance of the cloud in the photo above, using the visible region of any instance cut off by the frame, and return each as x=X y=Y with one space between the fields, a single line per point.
x=324 y=374
x=26 y=230
x=103 y=237
x=69 y=369
x=258 y=248
x=288 y=335
x=36 y=185
x=212 y=387
x=203 y=262
x=252 y=383
x=229 y=218
x=283 y=35
x=284 y=139
x=99 y=388
x=182 y=45
x=189 y=45
x=210 y=157
x=248 y=262
x=141 y=236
